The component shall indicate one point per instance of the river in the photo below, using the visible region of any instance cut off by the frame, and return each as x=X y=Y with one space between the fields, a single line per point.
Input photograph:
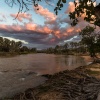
x=23 y=71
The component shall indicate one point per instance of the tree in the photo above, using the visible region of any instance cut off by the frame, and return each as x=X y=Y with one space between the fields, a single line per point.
x=56 y=50
x=6 y=45
x=13 y=46
x=82 y=48
x=72 y=44
x=1 y=43
x=91 y=39
x=98 y=43
x=24 y=49
x=18 y=46
x=81 y=7
x=50 y=50
x=34 y=50
x=87 y=8
x=66 y=46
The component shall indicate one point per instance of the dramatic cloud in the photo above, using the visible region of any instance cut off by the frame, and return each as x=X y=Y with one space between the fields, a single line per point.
x=33 y=33
x=50 y=33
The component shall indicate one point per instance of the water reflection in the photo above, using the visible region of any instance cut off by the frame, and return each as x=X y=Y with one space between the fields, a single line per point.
x=22 y=71
x=40 y=63
x=68 y=62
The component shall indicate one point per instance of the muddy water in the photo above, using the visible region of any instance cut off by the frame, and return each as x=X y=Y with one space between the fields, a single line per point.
x=22 y=72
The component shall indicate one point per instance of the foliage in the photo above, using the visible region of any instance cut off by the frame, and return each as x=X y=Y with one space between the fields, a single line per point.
x=68 y=48
x=11 y=46
x=91 y=39
x=81 y=7
x=59 y=5
x=87 y=8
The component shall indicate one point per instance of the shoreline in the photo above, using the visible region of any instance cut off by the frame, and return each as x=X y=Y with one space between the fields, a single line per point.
x=87 y=58
x=14 y=54
x=54 y=88
x=65 y=85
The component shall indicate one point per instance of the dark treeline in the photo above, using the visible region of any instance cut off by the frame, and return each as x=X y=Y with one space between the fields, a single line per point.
x=68 y=48
x=71 y=48
x=8 y=46
x=89 y=44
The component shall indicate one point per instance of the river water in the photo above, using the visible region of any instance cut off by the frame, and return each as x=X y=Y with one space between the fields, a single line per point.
x=22 y=72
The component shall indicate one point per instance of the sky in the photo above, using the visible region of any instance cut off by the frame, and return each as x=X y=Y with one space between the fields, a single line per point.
x=39 y=28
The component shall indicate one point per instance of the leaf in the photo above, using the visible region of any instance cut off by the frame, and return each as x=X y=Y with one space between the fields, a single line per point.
x=58 y=2
x=56 y=12
x=64 y=1
x=61 y=5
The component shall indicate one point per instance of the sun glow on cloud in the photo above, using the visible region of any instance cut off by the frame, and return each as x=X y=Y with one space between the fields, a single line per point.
x=71 y=39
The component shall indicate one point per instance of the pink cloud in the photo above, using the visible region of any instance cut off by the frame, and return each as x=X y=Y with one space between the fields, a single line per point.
x=37 y=28
x=49 y=16
x=10 y=28
x=52 y=25
x=22 y=16
x=26 y=27
x=30 y=26
x=57 y=35
x=71 y=7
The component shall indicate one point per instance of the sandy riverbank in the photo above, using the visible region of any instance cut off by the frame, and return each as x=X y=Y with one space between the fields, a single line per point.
x=83 y=83
x=87 y=58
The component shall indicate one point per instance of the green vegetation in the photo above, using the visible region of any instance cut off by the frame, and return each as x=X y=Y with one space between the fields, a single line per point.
x=91 y=39
x=8 y=48
x=89 y=44
x=69 y=48
x=82 y=7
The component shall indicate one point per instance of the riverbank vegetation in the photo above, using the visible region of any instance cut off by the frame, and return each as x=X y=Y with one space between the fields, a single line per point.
x=10 y=48
x=89 y=44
